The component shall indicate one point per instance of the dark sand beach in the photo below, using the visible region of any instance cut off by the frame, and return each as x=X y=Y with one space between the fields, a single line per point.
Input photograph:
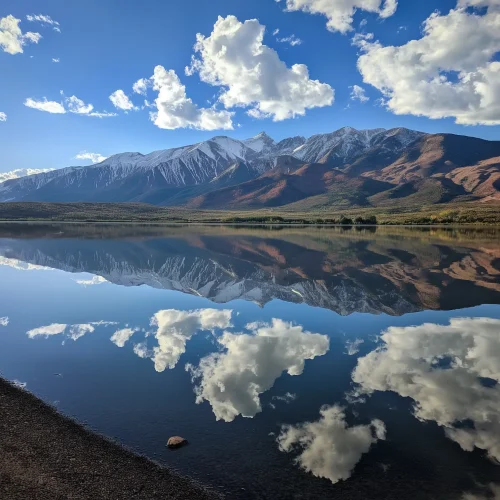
x=44 y=455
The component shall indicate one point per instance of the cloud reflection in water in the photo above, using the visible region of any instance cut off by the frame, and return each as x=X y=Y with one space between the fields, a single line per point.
x=329 y=447
x=450 y=371
x=232 y=380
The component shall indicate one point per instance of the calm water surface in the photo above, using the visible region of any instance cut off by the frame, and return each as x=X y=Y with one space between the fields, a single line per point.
x=299 y=363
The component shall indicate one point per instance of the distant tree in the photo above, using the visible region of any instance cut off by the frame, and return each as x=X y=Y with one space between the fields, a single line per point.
x=346 y=221
x=369 y=220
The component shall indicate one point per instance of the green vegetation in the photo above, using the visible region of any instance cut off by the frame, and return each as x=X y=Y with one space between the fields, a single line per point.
x=452 y=213
x=273 y=219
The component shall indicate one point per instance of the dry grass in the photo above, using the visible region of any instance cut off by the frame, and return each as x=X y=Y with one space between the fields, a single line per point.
x=451 y=213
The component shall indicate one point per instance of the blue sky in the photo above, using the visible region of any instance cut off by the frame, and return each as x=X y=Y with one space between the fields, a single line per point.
x=104 y=46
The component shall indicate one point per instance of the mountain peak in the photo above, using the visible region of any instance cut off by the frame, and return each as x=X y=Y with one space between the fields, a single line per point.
x=347 y=129
x=394 y=157
x=260 y=142
x=262 y=135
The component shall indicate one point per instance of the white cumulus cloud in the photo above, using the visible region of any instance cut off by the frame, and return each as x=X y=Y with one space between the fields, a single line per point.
x=451 y=71
x=3 y=116
x=358 y=94
x=340 y=13
x=121 y=100
x=252 y=75
x=94 y=158
x=56 y=60
x=4 y=321
x=12 y=39
x=71 y=104
x=45 y=105
x=76 y=105
x=141 y=86
x=233 y=380
x=22 y=172
x=410 y=363
x=329 y=448
x=175 y=110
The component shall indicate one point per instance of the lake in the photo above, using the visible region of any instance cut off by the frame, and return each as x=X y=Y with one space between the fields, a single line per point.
x=300 y=363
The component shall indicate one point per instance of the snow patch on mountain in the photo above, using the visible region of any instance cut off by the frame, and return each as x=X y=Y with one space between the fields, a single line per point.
x=347 y=143
x=200 y=163
x=260 y=143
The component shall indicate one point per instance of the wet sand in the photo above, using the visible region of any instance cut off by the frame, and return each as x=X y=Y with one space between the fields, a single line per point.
x=44 y=455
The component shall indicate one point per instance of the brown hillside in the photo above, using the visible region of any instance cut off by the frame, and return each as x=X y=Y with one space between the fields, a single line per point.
x=435 y=154
x=481 y=180
x=276 y=188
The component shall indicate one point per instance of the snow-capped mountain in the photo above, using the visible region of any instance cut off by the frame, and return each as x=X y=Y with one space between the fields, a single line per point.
x=129 y=176
x=288 y=146
x=171 y=176
x=261 y=143
x=347 y=143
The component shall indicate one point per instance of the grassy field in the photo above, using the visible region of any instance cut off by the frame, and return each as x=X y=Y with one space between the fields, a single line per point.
x=461 y=213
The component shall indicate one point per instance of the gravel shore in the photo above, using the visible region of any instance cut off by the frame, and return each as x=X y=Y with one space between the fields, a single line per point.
x=44 y=455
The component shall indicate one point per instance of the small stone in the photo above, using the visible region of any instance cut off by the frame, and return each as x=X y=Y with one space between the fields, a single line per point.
x=176 y=442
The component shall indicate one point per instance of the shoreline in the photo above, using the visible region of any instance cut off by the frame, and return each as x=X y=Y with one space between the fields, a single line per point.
x=116 y=212
x=448 y=225
x=45 y=455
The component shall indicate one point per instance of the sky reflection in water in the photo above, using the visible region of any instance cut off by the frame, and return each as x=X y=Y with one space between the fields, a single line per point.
x=368 y=359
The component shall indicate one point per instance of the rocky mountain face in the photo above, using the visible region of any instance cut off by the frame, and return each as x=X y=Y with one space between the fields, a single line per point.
x=344 y=168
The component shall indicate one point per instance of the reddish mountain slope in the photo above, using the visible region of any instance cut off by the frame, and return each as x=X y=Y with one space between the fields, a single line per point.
x=481 y=180
x=430 y=155
x=276 y=188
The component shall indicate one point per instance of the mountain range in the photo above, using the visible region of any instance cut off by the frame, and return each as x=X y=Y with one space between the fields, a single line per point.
x=345 y=168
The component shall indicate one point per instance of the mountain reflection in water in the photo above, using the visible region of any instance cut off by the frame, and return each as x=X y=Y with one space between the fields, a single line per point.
x=316 y=400
x=391 y=270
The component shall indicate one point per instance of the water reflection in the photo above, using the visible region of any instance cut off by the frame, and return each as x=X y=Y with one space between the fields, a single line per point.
x=329 y=447
x=171 y=328
x=175 y=328
x=492 y=492
x=393 y=273
x=378 y=407
x=21 y=265
x=451 y=372
x=352 y=346
x=121 y=337
x=232 y=381
x=95 y=280
x=73 y=332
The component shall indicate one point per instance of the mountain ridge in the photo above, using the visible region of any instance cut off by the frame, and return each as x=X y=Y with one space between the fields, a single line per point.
x=356 y=163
